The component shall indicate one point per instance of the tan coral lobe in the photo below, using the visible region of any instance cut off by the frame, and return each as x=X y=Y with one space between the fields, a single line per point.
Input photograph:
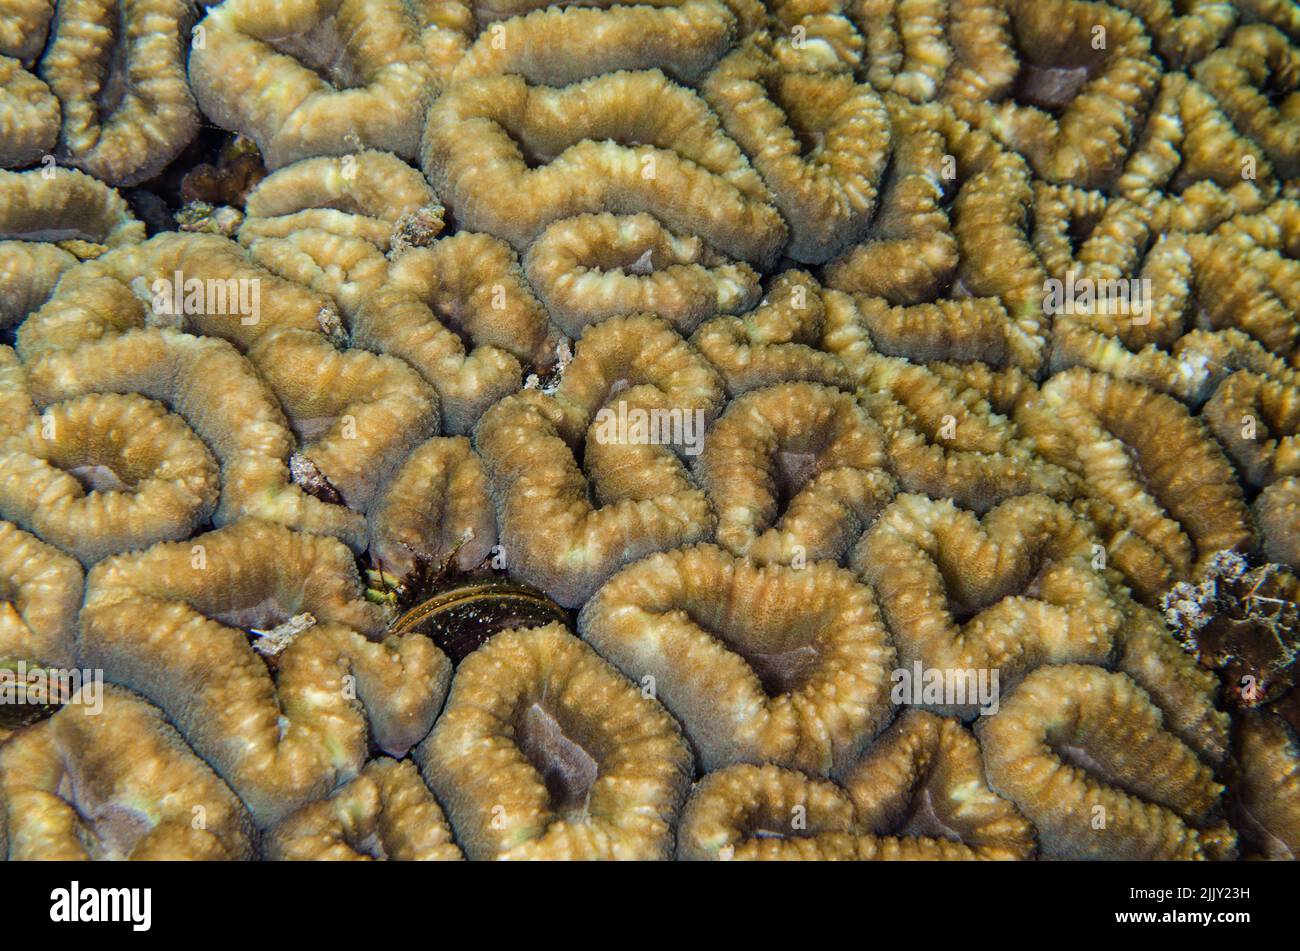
x=759 y=663
x=105 y=473
x=118 y=70
x=461 y=313
x=281 y=741
x=820 y=142
x=624 y=142
x=918 y=794
x=116 y=783
x=1010 y=592
x=1075 y=743
x=842 y=371
x=559 y=43
x=795 y=471
x=1268 y=788
x=40 y=594
x=385 y=814
x=545 y=751
x=588 y=478
x=330 y=223
x=315 y=77
x=591 y=267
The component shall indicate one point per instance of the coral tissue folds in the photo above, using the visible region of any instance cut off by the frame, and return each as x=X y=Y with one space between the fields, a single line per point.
x=670 y=429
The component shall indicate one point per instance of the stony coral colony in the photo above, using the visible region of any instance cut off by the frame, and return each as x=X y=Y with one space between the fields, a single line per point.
x=501 y=429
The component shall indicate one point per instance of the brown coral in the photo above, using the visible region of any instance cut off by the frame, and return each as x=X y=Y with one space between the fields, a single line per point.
x=509 y=158
x=558 y=43
x=1267 y=784
x=316 y=77
x=29 y=112
x=795 y=471
x=328 y=222
x=40 y=594
x=760 y=664
x=1166 y=499
x=1083 y=755
x=591 y=267
x=435 y=507
x=1007 y=593
x=1258 y=68
x=105 y=473
x=51 y=218
x=578 y=493
x=785 y=337
x=116 y=784
x=546 y=752
x=1278 y=512
x=386 y=813
x=920 y=789
x=1066 y=82
x=173 y=623
x=461 y=313
x=819 y=141
x=918 y=793
x=119 y=74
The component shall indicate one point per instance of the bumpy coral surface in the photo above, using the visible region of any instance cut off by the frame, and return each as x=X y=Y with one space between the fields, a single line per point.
x=702 y=429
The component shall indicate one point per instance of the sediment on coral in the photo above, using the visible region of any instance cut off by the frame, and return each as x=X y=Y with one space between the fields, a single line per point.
x=114 y=783
x=545 y=751
x=385 y=814
x=281 y=738
x=591 y=477
x=1083 y=754
x=759 y=663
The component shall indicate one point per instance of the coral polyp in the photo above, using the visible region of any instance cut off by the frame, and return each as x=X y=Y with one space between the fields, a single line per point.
x=650 y=429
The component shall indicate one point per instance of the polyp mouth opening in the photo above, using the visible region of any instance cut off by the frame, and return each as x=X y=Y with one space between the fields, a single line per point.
x=566 y=768
x=1050 y=88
